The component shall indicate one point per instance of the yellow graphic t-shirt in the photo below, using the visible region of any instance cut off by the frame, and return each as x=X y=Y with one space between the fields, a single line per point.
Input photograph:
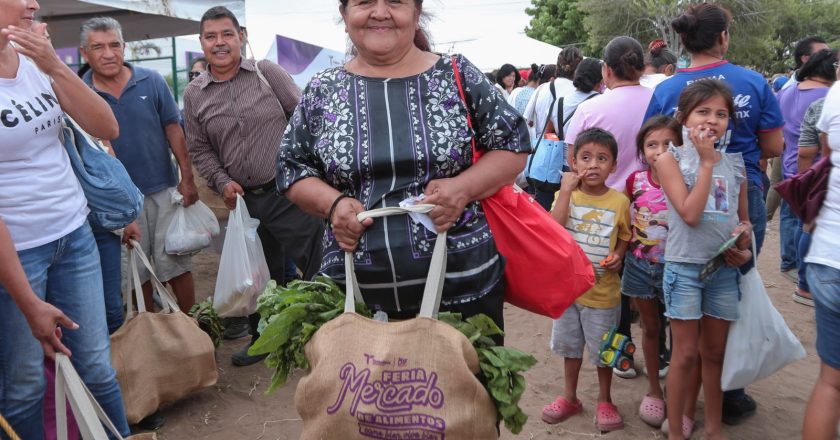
x=597 y=223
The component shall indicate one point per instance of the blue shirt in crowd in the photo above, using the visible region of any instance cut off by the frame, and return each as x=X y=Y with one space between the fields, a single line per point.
x=144 y=109
x=756 y=108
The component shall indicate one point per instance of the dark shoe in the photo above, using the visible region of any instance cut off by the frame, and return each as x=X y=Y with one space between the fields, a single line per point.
x=738 y=409
x=236 y=328
x=242 y=359
x=152 y=422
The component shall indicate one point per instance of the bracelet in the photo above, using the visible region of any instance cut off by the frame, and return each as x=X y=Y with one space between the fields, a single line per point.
x=334 y=205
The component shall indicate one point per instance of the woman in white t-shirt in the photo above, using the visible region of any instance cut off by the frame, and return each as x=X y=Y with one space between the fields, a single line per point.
x=536 y=112
x=45 y=212
x=823 y=275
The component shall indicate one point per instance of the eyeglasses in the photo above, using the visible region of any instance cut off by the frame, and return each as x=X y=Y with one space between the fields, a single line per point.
x=193 y=75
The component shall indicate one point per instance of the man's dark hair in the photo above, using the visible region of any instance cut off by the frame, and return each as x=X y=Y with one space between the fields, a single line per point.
x=597 y=136
x=803 y=47
x=218 y=13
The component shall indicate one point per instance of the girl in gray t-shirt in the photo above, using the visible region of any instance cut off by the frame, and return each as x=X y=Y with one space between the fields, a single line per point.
x=707 y=199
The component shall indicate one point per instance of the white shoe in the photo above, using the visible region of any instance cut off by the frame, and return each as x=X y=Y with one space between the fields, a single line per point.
x=629 y=374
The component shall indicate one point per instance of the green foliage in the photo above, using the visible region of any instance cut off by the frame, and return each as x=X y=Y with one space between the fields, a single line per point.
x=763 y=32
x=208 y=320
x=291 y=315
x=557 y=22
x=501 y=367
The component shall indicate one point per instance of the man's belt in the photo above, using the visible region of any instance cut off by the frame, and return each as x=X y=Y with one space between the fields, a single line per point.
x=262 y=189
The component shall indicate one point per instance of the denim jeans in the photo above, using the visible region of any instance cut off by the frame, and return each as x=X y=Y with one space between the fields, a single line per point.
x=65 y=273
x=110 y=246
x=788 y=224
x=803 y=243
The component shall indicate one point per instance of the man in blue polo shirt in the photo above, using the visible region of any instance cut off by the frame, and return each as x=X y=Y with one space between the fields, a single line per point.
x=150 y=134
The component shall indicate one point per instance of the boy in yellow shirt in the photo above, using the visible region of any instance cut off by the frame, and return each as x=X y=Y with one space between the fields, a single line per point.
x=598 y=219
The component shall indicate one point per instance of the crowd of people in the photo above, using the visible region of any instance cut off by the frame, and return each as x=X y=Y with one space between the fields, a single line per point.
x=662 y=166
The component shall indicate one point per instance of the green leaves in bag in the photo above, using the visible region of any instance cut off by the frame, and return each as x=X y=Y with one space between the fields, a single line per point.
x=501 y=367
x=208 y=320
x=291 y=315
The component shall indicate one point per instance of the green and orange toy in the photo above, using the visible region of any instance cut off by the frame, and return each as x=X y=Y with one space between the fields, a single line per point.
x=616 y=350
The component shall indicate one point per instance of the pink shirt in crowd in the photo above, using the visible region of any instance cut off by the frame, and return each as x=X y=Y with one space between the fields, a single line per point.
x=619 y=111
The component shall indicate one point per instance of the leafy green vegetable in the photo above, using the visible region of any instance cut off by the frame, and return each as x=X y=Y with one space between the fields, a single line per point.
x=501 y=367
x=208 y=320
x=291 y=315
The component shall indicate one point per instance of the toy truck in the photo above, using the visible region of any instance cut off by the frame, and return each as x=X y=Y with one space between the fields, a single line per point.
x=616 y=350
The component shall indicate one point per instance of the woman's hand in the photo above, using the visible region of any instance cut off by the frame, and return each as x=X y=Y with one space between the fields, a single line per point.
x=705 y=144
x=34 y=45
x=44 y=321
x=450 y=201
x=346 y=226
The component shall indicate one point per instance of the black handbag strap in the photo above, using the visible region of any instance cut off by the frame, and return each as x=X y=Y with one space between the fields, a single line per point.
x=560 y=134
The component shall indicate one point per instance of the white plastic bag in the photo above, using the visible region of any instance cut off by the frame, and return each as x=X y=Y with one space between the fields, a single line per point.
x=759 y=342
x=192 y=228
x=243 y=271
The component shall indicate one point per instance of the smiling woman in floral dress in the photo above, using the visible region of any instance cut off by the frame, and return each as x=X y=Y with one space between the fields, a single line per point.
x=389 y=125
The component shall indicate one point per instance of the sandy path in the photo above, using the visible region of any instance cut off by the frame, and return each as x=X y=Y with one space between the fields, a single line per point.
x=237 y=407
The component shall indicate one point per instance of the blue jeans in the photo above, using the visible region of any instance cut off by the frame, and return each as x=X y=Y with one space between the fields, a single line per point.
x=110 y=246
x=788 y=224
x=65 y=273
x=803 y=243
x=826 y=282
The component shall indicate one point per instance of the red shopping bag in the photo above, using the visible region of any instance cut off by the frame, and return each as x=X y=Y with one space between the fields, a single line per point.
x=546 y=270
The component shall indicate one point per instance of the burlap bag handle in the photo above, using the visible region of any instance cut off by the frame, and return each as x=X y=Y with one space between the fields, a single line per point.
x=169 y=303
x=86 y=409
x=437 y=269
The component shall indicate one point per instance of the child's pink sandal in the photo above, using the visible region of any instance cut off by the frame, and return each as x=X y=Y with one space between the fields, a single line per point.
x=687 y=427
x=607 y=417
x=652 y=411
x=561 y=409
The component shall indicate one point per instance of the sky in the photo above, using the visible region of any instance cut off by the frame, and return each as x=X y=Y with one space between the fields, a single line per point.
x=318 y=21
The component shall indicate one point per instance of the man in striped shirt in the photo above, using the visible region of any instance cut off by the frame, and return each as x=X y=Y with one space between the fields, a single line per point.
x=235 y=115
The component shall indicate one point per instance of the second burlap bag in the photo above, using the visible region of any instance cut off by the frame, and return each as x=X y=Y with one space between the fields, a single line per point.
x=400 y=380
x=159 y=357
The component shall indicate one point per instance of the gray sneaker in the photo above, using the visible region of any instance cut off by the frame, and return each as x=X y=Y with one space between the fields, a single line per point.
x=236 y=328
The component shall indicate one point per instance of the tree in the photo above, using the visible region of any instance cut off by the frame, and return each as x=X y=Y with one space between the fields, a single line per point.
x=763 y=32
x=557 y=22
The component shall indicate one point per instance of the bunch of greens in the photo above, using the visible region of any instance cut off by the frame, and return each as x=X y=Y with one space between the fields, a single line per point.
x=291 y=315
x=208 y=320
x=501 y=367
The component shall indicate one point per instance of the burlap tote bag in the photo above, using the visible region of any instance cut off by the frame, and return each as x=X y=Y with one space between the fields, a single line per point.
x=159 y=357
x=90 y=417
x=413 y=379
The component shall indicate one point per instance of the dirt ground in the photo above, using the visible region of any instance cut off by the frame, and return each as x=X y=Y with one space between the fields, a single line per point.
x=237 y=408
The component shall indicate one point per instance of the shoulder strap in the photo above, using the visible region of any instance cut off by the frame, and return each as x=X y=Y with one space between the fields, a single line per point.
x=568 y=118
x=560 y=121
x=265 y=81
x=464 y=100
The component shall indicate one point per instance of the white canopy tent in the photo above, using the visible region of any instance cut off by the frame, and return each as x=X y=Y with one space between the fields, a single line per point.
x=490 y=52
x=140 y=19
